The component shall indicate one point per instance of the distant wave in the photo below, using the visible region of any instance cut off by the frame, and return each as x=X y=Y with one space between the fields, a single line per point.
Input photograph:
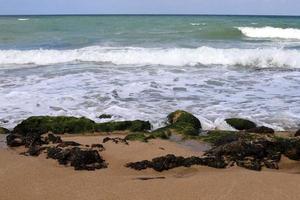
x=271 y=32
x=260 y=58
x=23 y=19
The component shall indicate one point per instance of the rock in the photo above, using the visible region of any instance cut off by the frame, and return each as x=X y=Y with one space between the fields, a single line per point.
x=132 y=126
x=14 y=140
x=181 y=116
x=78 y=158
x=105 y=116
x=115 y=140
x=100 y=147
x=171 y=161
x=297 y=133
x=240 y=124
x=261 y=130
x=4 y=131
x=53 y=139
x=180 y=122
x=68 y=143
x=39 y=125
x=58 y=125
x=34 y=150
x=251 y=164
x=290 y=147
x=218 y=137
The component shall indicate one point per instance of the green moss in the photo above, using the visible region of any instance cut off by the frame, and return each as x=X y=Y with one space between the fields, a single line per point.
x=217 y=137
x=58 y=125
x=240 y=124
x=290 y=147
x=183 y=117
x=180 y=122
x=4 y=131
x=133 y=126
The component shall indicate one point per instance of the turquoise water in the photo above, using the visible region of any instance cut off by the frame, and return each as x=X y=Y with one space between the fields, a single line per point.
x=147 y=66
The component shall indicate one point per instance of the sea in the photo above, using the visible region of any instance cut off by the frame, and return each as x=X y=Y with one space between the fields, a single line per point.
x=146 y=66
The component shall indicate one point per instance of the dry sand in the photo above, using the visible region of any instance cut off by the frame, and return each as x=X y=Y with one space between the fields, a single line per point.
x=30 y=178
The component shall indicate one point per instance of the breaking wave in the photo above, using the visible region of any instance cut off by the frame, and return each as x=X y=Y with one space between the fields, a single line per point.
x=259 y=58
x=271 y=32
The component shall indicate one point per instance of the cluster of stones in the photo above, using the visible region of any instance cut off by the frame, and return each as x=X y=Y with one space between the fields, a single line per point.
x=251 y=146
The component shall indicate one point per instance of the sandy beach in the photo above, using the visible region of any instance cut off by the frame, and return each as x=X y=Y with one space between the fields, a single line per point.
x=32 y=178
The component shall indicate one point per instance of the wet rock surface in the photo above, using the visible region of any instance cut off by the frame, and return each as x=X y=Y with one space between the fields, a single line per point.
x=67 y=153
x=78 y=158
x=171 y=161
x=261 y=130
x=240 y=124
x=116 y=140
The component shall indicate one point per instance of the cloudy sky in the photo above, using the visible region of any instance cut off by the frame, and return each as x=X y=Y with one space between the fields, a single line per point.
x=256 y=7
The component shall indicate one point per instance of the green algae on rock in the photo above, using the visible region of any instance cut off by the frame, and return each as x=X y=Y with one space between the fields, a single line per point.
x=4 y=131
x=58 y=125
x=181 y=122
x=240 y=124
x=133 y=126
x=39 y=125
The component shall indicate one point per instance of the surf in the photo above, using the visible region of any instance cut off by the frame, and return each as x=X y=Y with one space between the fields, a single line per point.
x=271 y=32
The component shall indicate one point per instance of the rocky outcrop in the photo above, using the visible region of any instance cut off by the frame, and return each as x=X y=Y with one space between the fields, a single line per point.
x=171 y=161
x=39 y=125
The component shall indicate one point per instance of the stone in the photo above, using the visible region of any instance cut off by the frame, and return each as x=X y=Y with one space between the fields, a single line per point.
x=261 y=130
x=4 y=131
x=240 y=124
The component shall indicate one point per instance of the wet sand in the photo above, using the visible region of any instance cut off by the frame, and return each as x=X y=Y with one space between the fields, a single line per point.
x=30 y=178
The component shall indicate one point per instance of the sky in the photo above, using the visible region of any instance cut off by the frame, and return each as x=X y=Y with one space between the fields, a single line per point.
x=240 y=7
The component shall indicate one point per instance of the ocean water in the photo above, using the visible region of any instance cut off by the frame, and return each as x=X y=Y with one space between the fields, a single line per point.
x=144 y=67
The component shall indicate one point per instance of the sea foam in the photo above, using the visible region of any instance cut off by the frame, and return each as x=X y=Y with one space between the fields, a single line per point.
x=271 y=32
x=258 y=58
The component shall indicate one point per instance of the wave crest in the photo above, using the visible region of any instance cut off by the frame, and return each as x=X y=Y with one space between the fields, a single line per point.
x=271 y=32
x=260 y=58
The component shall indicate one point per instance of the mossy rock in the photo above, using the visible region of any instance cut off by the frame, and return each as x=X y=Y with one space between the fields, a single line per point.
x=180 y=122
x=133 y=126
x=219 y=137
x=58 y=125
x=290 y=147
x=183 y=117
x=4 y=131
x=240 y=124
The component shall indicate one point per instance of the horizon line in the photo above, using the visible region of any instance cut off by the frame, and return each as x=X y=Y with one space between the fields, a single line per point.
x=94 y=14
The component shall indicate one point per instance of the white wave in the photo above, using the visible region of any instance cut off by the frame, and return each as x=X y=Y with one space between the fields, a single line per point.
x=198 y=24
x=23 y=19
x=260 y=58
x=271 y=32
